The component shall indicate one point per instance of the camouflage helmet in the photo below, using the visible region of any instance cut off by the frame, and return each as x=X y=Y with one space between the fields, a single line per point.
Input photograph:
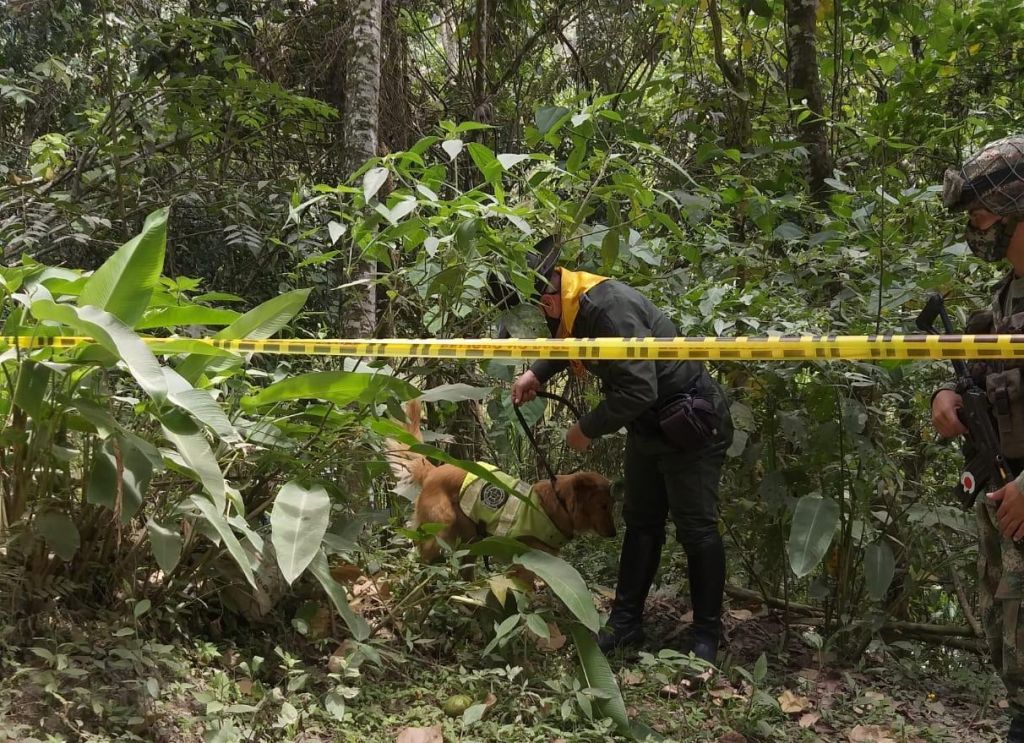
x=992 y=179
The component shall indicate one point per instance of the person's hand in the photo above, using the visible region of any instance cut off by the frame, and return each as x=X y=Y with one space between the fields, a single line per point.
x=1011 y=511
x=576 y=439
x=944 y=418
x=525 y=388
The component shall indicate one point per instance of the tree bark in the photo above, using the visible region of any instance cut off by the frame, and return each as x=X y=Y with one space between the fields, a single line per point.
x=805 y=85
x=360 y=122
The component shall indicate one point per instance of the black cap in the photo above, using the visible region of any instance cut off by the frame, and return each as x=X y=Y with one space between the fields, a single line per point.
x=542 y=259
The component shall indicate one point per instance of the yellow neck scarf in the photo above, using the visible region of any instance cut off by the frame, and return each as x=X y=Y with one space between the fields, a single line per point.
x=574 y=285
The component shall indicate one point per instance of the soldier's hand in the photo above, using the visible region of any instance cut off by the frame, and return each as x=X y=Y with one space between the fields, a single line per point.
x=944 y=418
x=525 y=388
x=1010 y=514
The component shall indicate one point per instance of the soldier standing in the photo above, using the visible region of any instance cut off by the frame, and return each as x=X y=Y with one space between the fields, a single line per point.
x=990 y=188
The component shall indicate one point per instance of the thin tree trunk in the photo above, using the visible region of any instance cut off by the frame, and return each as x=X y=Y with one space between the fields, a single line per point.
x=361 y=119
x=805 y=85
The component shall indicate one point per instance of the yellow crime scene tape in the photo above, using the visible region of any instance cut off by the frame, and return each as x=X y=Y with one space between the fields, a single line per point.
x=742 y=348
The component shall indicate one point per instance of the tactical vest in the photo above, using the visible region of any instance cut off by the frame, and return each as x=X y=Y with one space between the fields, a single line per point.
x=504 y=515
x=1002 y=379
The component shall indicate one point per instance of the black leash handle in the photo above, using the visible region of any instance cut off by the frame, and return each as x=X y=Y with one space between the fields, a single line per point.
x=529 y=432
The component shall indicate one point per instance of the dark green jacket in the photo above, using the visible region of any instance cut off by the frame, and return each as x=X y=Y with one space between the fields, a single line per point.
x=633 y=390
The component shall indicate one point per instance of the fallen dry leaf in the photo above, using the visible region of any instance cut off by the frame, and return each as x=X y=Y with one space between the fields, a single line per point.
x=245 y=686
x=433 y=734
x=345 y=572
x=741 y=615
x=669 y=691
x=725 y=692
x=555 y=642
x=809 y=719
x=489 y=701
x=732 y=737
x=791 y=703
x=870 y=734
x=688 y=617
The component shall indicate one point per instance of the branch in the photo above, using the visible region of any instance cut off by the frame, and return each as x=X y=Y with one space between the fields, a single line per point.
x=723 y=64
x=961 y=593
x=913 y=630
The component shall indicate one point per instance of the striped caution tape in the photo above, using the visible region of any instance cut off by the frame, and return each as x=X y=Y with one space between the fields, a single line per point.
x=745 y=348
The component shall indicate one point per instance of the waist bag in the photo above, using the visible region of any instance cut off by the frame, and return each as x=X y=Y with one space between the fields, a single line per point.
x=689 y=421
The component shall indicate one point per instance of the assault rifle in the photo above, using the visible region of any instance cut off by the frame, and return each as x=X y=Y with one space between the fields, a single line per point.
x=986 y=469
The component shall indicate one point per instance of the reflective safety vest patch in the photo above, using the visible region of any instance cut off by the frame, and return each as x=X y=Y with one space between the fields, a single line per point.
x=505 y=515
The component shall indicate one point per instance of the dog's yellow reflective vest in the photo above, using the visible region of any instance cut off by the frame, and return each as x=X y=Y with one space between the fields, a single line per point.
x=505 y=515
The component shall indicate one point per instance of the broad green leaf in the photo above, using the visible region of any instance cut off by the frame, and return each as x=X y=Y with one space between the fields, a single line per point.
x=174 y=317
x=455 y=392
x=339 y=387
x=258 y=323
x=597 y=674
x=298 y=523
x=141 y=608
x=166 y=545
x=537 y=626
x=760 y=668
x=548 y=116
x=114 y=336
x=136 y=462
x=124 y=283
x=579 y=152
x=485 y=161
x=565 y=582
x=60 y=533
x=30 y=391
x=788 y=231
x=215 y=518
x=196 y=454
x=814 y=523
x=266 y=319
x=179 y=346
x=201 y=405
x=465 y=236
x=373 y=179
x=609 y=249
x=503 y=548
x=879 y=569
x=356 y=624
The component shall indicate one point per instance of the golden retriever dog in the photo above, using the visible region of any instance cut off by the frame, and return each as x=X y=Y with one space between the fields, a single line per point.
x=575 y=504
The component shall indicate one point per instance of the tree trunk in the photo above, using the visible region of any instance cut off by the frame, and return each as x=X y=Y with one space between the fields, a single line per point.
x=360 y=120
x=805 y=85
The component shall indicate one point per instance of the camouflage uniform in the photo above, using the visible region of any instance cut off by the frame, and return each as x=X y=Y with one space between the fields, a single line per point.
x=1000 y=561
x=993 y=180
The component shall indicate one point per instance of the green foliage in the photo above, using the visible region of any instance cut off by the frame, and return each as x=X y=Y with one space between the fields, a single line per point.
x=662 y=148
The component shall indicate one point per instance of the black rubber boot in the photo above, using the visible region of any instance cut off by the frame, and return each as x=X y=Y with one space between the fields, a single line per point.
x=1016 y=733
x=638 y=563
x=706 y=567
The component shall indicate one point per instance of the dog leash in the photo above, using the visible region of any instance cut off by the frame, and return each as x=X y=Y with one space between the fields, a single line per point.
x=529 y=432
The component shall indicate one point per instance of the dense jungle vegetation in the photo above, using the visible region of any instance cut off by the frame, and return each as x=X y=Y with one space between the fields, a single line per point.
x=203 y=545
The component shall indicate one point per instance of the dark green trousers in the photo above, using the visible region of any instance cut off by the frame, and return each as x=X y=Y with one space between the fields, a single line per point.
x=664 y=482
